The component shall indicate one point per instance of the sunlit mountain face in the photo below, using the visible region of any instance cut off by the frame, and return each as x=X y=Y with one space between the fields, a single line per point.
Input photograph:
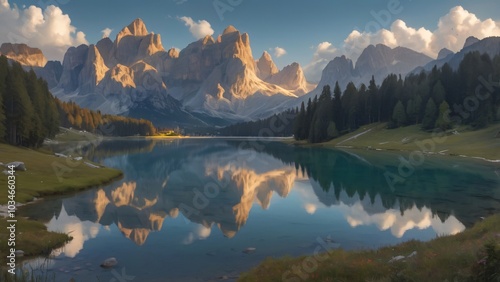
x=207 y=200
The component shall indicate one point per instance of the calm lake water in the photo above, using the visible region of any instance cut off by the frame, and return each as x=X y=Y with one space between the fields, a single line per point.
x=187 y=210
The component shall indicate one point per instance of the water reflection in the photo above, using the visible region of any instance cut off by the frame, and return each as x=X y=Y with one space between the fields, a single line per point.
x=217 y=184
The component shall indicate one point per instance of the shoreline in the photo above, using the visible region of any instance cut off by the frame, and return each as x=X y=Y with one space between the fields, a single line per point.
x=405 y=140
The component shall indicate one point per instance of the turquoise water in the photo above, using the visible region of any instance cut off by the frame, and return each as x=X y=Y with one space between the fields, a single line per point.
x=200 y=209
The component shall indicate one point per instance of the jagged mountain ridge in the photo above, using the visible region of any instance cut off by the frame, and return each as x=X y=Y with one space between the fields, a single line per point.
x=211 y=77
x=489 y=45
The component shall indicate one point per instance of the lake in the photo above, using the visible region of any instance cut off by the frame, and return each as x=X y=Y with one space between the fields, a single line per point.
x=200 y=209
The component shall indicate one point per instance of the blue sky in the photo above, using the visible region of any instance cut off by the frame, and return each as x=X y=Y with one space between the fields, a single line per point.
x=296 y=26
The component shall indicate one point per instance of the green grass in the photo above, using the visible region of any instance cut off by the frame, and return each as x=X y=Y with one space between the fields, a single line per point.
x=32 y=237
x=484 y=143
x=49 y=175
x=449 y=258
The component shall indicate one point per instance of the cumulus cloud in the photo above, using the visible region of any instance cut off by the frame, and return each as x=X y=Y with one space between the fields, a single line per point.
x=198 y=29
x=451 y=32
x=49 y=29
x=106 y=32
x=323 y=53
x=278 y=52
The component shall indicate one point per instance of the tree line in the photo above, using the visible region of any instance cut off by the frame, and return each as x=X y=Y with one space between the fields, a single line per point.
x=439 y=99
x=29 y=113
x=72 y=115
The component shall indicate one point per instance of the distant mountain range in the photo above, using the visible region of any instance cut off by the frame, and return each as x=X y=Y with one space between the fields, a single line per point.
x=213 y=81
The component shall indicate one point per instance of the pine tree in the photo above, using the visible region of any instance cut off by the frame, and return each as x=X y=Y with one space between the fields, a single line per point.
x=338 y=115
x=18 y=108
x=372 y=105
x=3 y=77
x=430 y=115
x=399 y=115
x=443 y=119
x=438 y=92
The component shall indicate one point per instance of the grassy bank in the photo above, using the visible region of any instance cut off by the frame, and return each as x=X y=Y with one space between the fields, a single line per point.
x=483 y=143
x=46 y=174
x=32 y=237
x=461 y=257
x=49 y=175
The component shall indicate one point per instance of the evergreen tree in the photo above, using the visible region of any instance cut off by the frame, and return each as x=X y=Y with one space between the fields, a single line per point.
x=300 y=123
x=338 y=115
x=18 y=109
x=443 y=119
x=430 y=115
x=399 y=115
x=438 y=92
x=322 y=117
x=3 y=77
x=372 y=104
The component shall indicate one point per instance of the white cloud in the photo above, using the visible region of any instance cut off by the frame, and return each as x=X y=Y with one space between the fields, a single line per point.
x=50 y=29
x=324 y=52
x=198 y=29
x=451 y=32
x=106 y=32
x=278 y=51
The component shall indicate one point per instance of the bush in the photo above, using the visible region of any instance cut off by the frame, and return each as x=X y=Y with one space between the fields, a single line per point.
x=488 y=266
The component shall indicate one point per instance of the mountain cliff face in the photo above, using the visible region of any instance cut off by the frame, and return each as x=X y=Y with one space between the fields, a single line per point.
x=212 y=77
x=25 y=55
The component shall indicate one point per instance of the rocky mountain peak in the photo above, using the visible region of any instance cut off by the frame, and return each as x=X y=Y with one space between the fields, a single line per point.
x=173 y=53
x=265 y=66
x=470 y=40
x=230 y=29
x=136 y=28
x=23 y=54
x=443 y=53
x=291 y=78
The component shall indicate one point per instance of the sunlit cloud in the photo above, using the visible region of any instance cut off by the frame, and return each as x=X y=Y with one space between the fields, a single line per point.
x=198 y=29
x=106 y=32
x=278 y=52
x=452 y=31
x=49 y=29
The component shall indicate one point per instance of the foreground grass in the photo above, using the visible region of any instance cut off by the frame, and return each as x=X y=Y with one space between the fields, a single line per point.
x=32 y=237
x=49 y=175
x=484 y=143
x=450 y=258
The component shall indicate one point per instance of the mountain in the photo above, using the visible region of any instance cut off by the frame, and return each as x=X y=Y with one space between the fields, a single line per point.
x=33 y=58
x=23 y=54
x=378 y=61
x=291 y=78
x=265 y=66
x=213 y=81
x=489 y=45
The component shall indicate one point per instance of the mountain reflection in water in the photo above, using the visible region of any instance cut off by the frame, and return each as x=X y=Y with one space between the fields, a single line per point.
x=224 y=184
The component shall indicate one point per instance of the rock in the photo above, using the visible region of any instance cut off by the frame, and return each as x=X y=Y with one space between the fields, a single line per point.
x=60 y=155
x=6 y=172
x=396 y=258
x=19 y=253
x=17 y=165
x=1 y=164
x=266 y=67
x=91 y=165
x=412 y=254
x=109 y=262
x=78 y=159
x=25 y=55
x=249 y=250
